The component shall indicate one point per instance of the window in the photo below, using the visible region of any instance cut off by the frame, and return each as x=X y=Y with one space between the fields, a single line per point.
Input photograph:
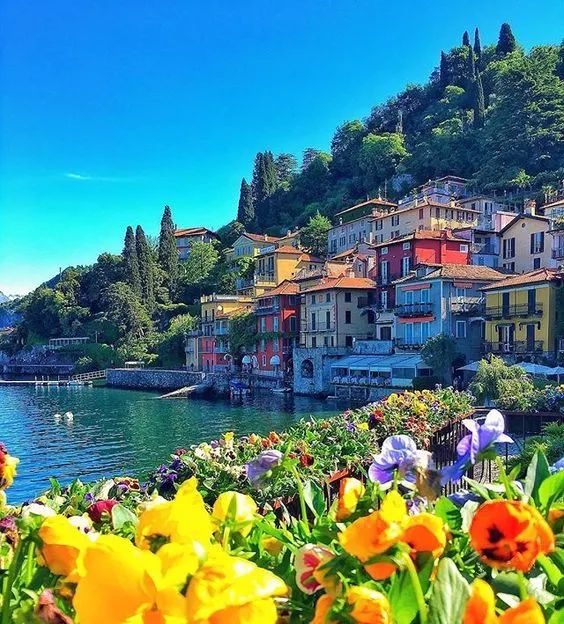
x=406 y=246
x=384 y=271
x=313 y=298
x=276 y=345
x=328 y=297
x=510 y=266
x=405 y=265
x=313 y=320
x=449 y=213
x=262 y=344
x=425 y=332
x=328 y=319
x=386 y=333
x=348 y=319
x=264 y=360
x=348 y=341
x=348 y=297
x=307 y=367
x=326 y=341
x=420 y=213
x=460 y=293
x=262 y=324
x=459 y=215
x=536 y=263
x=461 y=329
x=384 y=299
x=313 y=342
x=425 y=295
x=379 y=224
x=383 y=251
x=438 y=213
x=293 y=324
x=508 y=248
x=395 y=220
x=275 y=324
x=463 y=248
x=537 y=242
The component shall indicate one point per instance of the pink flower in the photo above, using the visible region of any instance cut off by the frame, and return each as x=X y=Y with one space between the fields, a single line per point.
x=308 y=559
x=99 y=508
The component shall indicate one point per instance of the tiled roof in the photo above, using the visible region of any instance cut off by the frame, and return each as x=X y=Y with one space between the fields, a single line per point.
x=467 y=271
x=425 y=235
x=343 y=283
x=193 y=231
x=284 y=288
x=287 y=249
x=533 y=277
x=261 y=238
x=519 y=217
x=307 y=257
x=374 y=202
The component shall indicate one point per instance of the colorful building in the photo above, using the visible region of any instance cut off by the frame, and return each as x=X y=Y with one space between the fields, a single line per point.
x=525 y=244
x=524 y=315
x=278 y=314
x=444 y=300
x=334 y=314
x=186 y=237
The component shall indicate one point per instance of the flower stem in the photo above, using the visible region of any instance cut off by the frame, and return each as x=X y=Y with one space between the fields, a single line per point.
x=30 y=560
x=416 y=583
x=523 y=593
x=550 y=569
x=301 y=496
x=225 y=538
x=7 y=593
x=504 y=478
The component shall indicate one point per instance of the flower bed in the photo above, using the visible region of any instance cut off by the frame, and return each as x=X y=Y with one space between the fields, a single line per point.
x=388 y=550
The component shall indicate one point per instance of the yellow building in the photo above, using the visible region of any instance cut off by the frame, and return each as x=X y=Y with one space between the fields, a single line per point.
x=524 y=244
x=332 y=312
x=248 y=246
x=523 y=315
x=277 y=264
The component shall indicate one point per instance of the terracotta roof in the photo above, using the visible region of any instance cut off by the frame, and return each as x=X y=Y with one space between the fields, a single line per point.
x=523 y=216
x=556 y=202
x=193 y=231
x=307 y=257
x=533 y=277
x=284 y=288
x=343 y=283
x=261 y=238
x=467 y=271
x=425 y=235
x=374 y=202
x=288 y=249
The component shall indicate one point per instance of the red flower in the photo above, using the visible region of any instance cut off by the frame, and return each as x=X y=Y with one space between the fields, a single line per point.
x=306 y=459
x=99 y=508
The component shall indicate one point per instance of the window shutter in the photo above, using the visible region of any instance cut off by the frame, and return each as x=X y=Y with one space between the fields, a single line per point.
x=532 y=243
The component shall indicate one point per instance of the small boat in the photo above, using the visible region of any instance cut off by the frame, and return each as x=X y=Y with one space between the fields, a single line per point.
x=69 y=416
x=57 y=417
x=281 y=390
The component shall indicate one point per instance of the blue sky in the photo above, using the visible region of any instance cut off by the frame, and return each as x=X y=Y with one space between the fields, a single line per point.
x=109 y=110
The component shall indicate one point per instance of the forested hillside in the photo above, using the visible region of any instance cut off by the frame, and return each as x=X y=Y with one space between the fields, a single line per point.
x=492 y=113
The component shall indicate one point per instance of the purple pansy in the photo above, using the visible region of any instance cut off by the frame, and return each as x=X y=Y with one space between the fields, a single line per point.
x=557 y=466
x=259 y=466
x=398 y=452
x=480 y=440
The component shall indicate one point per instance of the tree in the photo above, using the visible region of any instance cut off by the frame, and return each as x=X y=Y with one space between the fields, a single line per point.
x=439 y=354
x=477 y=47
x=380 y=156
x=229 y=233
x=308 y=156
x=245 y=209
x=345 y=148
x=126 y=312
x=167 y=251
x=443 y=71
x=495 y=379
x=130 y=262
x=145 y=262
x=200 y=263
x=286 y=168
x=479 y=103
x=506 y=41
x=314 y=235
x=242 y=334
x=466 y=39
x=264 y=184
x=170 y=346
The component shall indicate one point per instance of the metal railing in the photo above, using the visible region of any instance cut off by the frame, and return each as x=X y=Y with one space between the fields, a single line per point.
x=408 y=345
x=467 y=305
x=414 y=309
x=99 y=374
x=521 y=309
x=517 y=346
x=318 y=327
x=558 y=253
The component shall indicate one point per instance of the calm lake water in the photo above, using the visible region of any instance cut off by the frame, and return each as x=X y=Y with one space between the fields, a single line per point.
x=119 y=432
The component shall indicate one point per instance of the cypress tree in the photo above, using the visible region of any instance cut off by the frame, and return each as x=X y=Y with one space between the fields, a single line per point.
x=130 y=261
x=466 y=39
x=479 y=102
x=264 y=184
x=506 y=41
x=477 y=46
x=246 y=208
x=443 y=70
x=167 y=252
x=470 y=67
x=145 y=269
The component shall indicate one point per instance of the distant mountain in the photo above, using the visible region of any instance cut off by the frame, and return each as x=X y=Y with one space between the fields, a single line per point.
x=4 y=298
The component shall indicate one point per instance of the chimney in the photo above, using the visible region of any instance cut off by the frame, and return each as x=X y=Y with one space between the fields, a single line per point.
x=530 y=207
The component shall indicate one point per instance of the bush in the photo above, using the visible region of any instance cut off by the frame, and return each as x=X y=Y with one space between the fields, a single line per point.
x=426 y=383
x=550 y=442
x=506 y=386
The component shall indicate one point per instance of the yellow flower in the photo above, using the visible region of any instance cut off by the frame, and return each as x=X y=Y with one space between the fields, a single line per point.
x=425 y=532
x=238 y=508
x=183 y=520
x=480 y=608
x=63 y=547
x=363 y=426
x=350 y=492
x=272 y=545
x=369 y=606
x=376 y=533
x=231 y=590
x=122 y=583
x=322 y=608
x=8 y=465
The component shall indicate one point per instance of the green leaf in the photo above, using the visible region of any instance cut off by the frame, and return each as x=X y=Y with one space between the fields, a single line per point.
x=537 y=472
x=314 y=497
x=551 y=490
x=121 y=515
x=449 y=595
x=402 y=599
x=449 y=513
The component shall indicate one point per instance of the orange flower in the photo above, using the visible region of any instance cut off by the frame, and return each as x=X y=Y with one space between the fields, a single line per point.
x=369 y=606
x=510 y=534
x=526 y=612
x=381 y=570
x=376 y=533
x=425 y=533
x=554 y=515
x=480 y=608
x=350 y=492
x=322 y=608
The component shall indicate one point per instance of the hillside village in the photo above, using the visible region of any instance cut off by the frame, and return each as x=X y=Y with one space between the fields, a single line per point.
x=444 y=260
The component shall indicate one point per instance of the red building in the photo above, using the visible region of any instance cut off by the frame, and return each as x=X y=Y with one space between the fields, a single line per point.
x=277 y=313
x=398 y=256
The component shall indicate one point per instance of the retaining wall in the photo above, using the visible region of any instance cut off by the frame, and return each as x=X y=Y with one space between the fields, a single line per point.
x=161 y=379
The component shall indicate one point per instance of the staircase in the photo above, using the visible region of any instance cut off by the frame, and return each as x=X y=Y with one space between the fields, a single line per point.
x=100 y=374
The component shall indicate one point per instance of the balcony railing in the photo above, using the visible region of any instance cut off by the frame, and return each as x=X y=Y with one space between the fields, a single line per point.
x=409 y=345
x=558 y=253
x=414 y=309
x=521 y=309
x=517 y=346
x=317 y=327
x=467 y=305
x=264 y=278
x=267 y=309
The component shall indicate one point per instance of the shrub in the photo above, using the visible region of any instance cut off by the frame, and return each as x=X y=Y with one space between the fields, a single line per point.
x=497 y=380
x=426 y=383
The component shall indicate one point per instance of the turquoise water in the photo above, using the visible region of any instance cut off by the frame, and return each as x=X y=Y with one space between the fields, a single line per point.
x=119 y=432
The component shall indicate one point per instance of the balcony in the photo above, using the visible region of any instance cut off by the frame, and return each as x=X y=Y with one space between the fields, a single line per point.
x=318 y=327
x=520 y=347
x=467 y=305
x=408 y=345
x=522 y=310
x=558 y=253
x=483 y=249
x=266 y=279
x=414 y=309
x=267 y=309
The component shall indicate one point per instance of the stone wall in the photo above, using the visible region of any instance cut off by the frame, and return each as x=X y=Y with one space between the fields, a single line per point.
x=312 y=368
x=161 y=379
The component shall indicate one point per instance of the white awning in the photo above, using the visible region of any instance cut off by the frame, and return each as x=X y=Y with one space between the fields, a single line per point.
x=246 y=359
x=380 y=363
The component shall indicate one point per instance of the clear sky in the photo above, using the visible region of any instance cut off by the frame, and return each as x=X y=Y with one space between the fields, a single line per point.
x=111 y=109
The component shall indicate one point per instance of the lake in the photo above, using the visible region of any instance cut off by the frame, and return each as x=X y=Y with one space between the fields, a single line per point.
x=124 y=432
